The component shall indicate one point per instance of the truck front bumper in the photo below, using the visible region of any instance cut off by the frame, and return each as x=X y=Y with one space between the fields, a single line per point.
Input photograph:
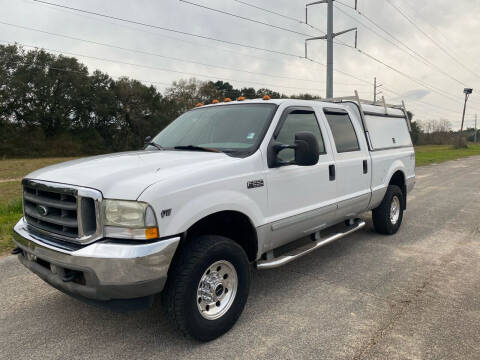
x=104 y=270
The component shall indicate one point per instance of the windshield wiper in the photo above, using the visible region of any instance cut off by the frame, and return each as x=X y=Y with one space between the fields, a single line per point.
x=195 y=148
x=158 y=146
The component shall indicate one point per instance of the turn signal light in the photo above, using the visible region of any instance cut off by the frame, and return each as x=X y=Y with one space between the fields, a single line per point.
x=266 y=97
x=227 y=100
x=241 y=98
x=198 y=105
x=151 y=233
x=215 y=101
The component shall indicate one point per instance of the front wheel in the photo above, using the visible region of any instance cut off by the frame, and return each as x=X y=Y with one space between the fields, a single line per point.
x=387 y=217
x=208 y=287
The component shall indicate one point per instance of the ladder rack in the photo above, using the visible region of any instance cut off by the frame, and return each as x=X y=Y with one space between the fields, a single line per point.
x=360 y=101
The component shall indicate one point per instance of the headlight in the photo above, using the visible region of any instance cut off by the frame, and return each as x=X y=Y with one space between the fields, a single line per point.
x=129 y=220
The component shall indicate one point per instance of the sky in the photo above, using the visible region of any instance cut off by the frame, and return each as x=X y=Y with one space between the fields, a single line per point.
x=442 y=58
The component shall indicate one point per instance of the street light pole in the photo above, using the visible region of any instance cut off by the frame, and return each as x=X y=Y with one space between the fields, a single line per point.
x=467 y=92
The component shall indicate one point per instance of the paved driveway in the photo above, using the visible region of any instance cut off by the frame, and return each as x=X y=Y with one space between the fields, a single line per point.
x=412 y=295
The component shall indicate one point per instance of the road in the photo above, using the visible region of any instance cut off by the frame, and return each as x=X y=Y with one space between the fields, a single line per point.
x=414 y=295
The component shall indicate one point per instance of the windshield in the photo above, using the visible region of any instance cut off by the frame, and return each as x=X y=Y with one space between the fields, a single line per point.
x=228 y=128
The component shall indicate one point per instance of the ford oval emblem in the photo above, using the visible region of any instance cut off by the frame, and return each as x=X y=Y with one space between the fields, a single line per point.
x=42 y=210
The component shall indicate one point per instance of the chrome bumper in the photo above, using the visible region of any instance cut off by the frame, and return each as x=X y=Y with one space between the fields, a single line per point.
x=104 y=270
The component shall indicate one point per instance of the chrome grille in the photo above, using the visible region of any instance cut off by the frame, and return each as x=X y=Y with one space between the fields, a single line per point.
x=66 y=212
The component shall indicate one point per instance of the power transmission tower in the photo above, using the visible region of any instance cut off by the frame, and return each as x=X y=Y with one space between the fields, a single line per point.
x=375 y=90
x=329 y=37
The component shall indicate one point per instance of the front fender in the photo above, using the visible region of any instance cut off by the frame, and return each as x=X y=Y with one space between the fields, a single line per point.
x=208 y=204
x=187 y=208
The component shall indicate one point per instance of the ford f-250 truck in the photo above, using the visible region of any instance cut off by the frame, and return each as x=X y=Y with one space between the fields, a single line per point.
x=224 y=186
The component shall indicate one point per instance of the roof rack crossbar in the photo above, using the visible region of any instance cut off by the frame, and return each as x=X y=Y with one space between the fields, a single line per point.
x=363 y=101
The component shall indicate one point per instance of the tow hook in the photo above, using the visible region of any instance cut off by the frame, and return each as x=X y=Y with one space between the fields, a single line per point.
x=69 y=277
x=16 y=251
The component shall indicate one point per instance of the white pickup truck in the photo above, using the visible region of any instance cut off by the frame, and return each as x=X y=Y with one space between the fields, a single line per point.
x=223 y=187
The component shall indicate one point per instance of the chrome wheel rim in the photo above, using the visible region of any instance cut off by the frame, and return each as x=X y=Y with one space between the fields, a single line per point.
x=217 y=290
x=395 y=210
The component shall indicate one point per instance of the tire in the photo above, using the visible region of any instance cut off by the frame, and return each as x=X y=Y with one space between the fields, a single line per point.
x=383 y=222
x=198 y=280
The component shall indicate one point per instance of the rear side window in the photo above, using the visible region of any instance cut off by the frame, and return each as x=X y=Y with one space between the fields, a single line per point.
x=343 y=132
x=296 y=121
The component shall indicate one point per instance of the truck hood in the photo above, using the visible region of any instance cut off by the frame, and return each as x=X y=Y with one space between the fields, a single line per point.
x=126 y=175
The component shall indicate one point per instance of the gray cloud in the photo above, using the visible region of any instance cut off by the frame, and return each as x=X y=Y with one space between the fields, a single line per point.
x=454 y=27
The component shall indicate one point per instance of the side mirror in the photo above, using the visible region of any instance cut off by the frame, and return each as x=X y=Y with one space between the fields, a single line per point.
x=306 y=149
x=147 y=140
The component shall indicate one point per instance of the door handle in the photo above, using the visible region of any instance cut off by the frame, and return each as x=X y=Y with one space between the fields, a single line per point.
x=331 y=172
x=365 y=166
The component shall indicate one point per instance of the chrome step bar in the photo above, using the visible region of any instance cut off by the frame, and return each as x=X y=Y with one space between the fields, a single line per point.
x=306 y=249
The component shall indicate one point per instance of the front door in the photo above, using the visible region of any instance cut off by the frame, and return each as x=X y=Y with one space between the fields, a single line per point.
x=301 y=199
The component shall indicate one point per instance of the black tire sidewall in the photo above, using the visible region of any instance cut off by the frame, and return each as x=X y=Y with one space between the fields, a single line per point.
x=199 y=327
x=392 y=192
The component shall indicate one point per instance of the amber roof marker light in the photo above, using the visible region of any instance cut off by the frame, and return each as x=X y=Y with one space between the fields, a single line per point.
x=198 y=104
x=241 y=98
x=215 y=101
x=266 y=97
x=227 y=100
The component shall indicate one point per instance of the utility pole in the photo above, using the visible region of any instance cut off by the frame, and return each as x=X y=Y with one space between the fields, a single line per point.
x=475 y=137
x=330 y=49
x=329 y=37
x=375 y=92
x=467 y=92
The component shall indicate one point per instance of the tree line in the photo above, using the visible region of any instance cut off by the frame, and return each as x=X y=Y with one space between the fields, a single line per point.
x=50 y=105
x=439 y=132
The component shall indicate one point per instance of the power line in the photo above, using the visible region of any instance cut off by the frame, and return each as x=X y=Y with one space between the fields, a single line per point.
x=431 y=38
x=244 y=18
x=177 y=31
x=414 y=54
x=165 y=28
x=209 y=76
x=421 y=83
x=155 y=54
x=278 y=14
x=224 y=41
x=270 y=11
x=178 y=39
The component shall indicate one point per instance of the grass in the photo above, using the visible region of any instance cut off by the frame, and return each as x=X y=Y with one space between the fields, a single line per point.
x=17 y=168
x=10 y=212
x=12 y=170
x=429 y=154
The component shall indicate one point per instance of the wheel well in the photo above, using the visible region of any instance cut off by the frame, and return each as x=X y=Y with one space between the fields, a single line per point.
x=231 y=224
x=399 y=179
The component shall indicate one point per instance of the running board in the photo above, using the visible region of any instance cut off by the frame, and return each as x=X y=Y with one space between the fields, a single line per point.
x=304 y=250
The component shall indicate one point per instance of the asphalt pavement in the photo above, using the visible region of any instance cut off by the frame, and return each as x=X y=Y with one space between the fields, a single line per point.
x=414 y=295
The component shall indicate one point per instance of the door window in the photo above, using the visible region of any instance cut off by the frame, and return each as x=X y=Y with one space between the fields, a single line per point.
x=342 y=131
x=297 y=121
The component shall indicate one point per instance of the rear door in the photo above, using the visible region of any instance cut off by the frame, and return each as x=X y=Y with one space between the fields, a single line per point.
x=352 y=162
x=301 y=198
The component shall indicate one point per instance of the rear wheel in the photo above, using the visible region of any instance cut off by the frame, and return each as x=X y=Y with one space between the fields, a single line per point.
x=208 y=287
x=388 y=217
